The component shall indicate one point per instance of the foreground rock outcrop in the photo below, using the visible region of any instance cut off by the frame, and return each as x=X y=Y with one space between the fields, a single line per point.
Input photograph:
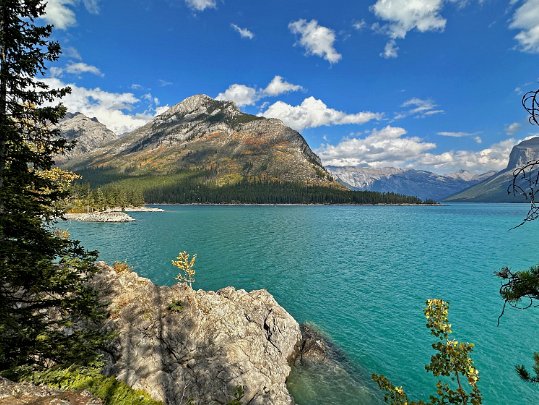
x=181 y=345
x=12 y=393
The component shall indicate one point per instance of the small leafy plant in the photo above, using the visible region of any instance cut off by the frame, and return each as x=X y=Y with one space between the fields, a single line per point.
x=452 y=360
x=186 y=266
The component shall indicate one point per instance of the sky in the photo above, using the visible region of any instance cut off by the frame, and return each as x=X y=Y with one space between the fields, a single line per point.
x=426 y=84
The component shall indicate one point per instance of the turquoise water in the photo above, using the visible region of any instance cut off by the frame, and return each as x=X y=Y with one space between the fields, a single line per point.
x=362 y=274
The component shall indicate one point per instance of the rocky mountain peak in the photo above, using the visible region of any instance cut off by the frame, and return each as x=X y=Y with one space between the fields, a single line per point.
x=202 y=105
x=524 y=152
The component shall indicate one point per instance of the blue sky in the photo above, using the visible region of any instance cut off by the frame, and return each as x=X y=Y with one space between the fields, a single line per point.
x=428 y=84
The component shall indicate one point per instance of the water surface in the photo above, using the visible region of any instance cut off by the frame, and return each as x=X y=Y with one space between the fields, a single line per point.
x=362 y=274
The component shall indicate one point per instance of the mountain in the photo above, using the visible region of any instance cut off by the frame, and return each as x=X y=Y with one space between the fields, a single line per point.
x=495 y=189
x=423 y=184
x=213 y=139
x=89 y=133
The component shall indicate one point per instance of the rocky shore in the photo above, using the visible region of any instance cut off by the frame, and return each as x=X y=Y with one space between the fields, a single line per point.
x=110 y=216
x=206 y=347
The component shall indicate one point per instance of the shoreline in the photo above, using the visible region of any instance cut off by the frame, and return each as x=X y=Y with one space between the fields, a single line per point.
x=297 y=204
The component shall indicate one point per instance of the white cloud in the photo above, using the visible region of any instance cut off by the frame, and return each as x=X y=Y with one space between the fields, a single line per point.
x=359 y=24
x=92 y=6
x=58 y=13
x=494 y=157
x=111 y=109
x=314 y=113
x=403 y=16
x=81 y=67
x=244 y=32
x=316 y=39
x=243 y=95
x=512 y=128
x=458 y=134
x=406 y=15
x=240 y=94
x=418 y=107
x=390 y=147
x=71 y=52
x=56 y=71
x=279 y=86
x=384 y=147
x=201 y=5
x=477 y=139
x=526 y=19
x=391 y=50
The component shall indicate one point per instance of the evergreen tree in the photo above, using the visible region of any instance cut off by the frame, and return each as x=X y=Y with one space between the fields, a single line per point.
x=48 y=312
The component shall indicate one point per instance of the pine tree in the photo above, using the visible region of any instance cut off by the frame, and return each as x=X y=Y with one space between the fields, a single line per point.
x=48 y=312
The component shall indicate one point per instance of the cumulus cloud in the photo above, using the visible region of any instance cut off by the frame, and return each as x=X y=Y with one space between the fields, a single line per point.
x=81 y=67
x=316 y=39
x=512 y=128
x=381 y=148
x=494 y=157
x=418 y=107
x=526 y=19
x=240 y=94
x=314 y=113
x=243 y=95
x=59 y=13
x=391 y=147
x=279 y=86
x=244 y=32
x=402 y=16
x=201 y=5
x=111 y=109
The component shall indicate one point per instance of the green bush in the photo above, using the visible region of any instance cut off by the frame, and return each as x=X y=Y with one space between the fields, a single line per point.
x=108 y=389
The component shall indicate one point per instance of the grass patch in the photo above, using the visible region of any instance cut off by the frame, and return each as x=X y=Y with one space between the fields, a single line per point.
x=108 y=389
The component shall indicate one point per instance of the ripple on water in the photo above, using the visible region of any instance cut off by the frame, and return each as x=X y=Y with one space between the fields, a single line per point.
x=362 y=274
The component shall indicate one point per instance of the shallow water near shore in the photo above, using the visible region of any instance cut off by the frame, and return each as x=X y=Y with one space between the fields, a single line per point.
x=362 y=274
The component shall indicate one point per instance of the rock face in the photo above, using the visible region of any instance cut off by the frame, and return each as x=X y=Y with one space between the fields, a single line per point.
x=179 y=344
x=24 y=393
x=89 y=133
x=495 y=189
x=201 y=134
x=419 y=183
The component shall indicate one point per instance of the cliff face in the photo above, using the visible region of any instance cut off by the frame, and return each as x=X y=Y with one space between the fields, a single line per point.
x=178 y=344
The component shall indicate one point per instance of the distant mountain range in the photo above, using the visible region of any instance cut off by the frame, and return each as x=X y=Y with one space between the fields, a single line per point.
x=495 y=188
x=420 y=183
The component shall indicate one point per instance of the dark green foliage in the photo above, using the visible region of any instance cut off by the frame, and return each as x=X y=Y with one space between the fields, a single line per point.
x=175 y=306
x=48 y=313
x=85 y=199
x=521 y=290
x=198 y=187
x=108 y=389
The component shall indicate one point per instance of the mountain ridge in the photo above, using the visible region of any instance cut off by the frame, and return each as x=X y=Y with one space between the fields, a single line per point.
x=421 y=183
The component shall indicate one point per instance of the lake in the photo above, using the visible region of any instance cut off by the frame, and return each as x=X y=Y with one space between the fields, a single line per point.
x=361 y=274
